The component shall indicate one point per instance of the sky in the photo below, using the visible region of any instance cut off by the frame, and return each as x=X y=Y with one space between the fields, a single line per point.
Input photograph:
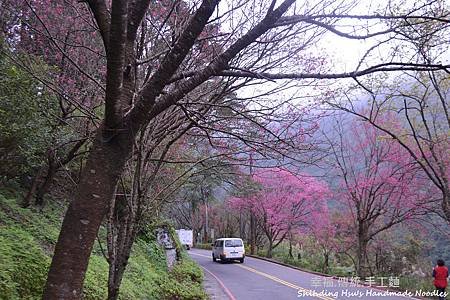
x=343 y=55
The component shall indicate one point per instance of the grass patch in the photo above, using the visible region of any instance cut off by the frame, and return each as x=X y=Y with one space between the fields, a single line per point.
x=24 y=265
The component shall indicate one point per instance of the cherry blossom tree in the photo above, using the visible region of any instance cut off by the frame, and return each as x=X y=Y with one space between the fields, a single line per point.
x=284 y=203
x=324 y=232
x=418 y=102
x=380 y=185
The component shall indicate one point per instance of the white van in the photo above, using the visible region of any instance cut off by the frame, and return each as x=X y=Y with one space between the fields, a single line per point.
x=228 y=249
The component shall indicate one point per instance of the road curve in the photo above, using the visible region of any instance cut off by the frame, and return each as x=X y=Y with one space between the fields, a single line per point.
x=262 y=280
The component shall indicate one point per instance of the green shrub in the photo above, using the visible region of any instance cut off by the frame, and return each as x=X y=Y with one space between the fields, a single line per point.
x=341 y=271
x=415 y=283
x=154 y=252
x=43 y=226
x=24 y=265
x=8 y=286
x=139 y=281
x=26 y=117
x=145 y=266
x=203 y=246
x=174 y=289
x=96 y=280
x=187 y=270
x=184 y=281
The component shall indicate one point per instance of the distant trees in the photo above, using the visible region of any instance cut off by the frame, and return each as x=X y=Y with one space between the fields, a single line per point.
x=283 y=203
x=195 y=205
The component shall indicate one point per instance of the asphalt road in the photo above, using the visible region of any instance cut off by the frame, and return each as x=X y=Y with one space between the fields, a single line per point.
x=262 y=280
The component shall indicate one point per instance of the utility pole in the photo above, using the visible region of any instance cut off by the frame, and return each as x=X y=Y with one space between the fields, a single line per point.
x=205 y=202
x=252 y=217
x=206 y=223
x=252 y=234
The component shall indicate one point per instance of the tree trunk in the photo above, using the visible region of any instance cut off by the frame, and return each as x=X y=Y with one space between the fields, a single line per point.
x=121 y=225
x=252 y=233
x=116 y=271
x=446 y=202
x=269 y=250
x=195 y=237
x=113 y=292
x=362 y=249
x=45 y=186
x=54 y=165
x=241 y=226
x=326 y=262
x=291 y=255
x=36 y=180
x=85 y=214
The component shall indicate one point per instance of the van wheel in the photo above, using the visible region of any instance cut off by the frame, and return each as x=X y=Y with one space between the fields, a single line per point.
x=241 y=260
x=214 y=258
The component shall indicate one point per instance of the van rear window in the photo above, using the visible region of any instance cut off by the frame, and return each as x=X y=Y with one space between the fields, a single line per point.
x=233 y=243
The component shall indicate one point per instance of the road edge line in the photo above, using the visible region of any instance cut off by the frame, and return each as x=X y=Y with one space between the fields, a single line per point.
x=222 y=285
x=283 y=282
